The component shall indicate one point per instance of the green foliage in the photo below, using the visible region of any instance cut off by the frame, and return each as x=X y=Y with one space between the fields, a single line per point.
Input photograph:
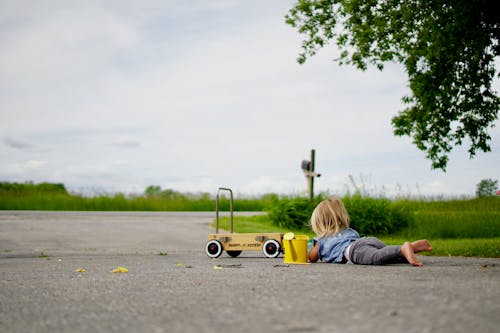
x=376 y=216
x=157 y=191
x=152 y=190
x=369 y=216
x=448 y=49
x=486 y=188
x=22 y=188
x=292 y=212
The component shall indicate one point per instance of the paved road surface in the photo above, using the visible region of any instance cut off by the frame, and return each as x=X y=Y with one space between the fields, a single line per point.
x=182 y=292
x=118 y=233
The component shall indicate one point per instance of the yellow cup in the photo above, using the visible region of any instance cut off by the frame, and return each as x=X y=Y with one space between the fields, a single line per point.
x=296 y=249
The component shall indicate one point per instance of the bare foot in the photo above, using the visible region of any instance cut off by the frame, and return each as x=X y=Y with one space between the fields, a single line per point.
x=409 y=254
x=421 y=245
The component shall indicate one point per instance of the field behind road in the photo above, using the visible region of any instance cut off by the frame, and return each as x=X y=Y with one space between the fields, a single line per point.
x=183 y=290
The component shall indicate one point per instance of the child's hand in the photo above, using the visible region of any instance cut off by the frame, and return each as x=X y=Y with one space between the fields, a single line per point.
x=312 y=255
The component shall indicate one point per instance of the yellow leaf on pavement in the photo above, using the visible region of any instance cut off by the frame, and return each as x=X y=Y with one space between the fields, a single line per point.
x=119 y=270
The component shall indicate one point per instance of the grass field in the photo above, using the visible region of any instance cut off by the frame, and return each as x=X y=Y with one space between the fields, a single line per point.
x=463 y=247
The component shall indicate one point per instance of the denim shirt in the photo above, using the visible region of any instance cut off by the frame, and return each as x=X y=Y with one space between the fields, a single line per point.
x=331 y=248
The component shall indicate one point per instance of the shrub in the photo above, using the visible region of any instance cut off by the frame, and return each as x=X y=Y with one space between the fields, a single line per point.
x=292 y=213
x=376 y=216
x=369 y=216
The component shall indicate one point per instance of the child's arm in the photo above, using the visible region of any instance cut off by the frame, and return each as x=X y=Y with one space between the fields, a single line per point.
x=313 y=254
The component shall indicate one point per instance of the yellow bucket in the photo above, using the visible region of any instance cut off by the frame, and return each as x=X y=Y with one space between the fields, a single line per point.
x=295 y=249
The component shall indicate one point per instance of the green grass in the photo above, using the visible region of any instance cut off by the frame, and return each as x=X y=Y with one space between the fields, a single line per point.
x=466 y=247
x=452 y=219
x=56 y=201
x=454 y=224
x=462 y=247
x=250 y=224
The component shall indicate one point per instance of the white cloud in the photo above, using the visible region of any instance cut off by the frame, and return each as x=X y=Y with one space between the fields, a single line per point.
x=24 y=169
x=266 y=184
x=126 y=142
x=193 y=185
x=63 y=43
x=434 y=188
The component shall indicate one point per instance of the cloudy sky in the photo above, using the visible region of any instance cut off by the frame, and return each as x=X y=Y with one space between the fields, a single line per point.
x=112 y=96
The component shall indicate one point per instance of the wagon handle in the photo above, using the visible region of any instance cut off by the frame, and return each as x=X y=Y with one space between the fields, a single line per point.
x=217 y=208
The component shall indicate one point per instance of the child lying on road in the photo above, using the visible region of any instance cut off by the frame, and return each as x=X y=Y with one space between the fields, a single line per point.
x=337 y=243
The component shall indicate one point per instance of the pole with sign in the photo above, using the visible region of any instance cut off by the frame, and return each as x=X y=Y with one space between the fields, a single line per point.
x=308 y=169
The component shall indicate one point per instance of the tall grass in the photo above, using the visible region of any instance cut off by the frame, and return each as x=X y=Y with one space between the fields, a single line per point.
x=292 y=213
x=377 y=216
x=467 y=218
x=14 y=196
x=120 y=202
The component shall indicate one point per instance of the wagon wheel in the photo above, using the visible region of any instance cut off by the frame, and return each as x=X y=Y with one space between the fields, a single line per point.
x=234 y=254
x=213 y=249
x=271 y=248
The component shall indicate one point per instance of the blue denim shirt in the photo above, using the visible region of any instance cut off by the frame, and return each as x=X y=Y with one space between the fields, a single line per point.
x=331 y=249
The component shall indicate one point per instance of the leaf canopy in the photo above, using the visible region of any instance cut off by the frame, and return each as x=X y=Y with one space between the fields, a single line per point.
x=448 y=49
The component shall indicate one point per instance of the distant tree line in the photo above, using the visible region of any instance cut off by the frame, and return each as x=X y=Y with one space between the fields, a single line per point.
x=30 y=187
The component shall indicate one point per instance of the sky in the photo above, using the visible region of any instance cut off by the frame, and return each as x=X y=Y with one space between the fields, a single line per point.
x=114 y=96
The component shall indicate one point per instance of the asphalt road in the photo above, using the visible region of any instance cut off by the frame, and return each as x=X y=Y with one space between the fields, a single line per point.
x=172 y=286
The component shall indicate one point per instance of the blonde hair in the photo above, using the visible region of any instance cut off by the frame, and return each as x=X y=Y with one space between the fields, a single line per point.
x=329 y=217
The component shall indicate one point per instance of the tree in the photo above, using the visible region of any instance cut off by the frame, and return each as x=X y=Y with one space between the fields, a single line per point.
x=152 y=191
x=448 y=49
x=486 y=188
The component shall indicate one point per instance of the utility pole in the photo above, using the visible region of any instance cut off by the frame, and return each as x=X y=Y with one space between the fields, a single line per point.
x=308 y=169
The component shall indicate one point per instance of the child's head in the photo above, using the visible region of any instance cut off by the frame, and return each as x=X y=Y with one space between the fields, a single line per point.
x=329 y=217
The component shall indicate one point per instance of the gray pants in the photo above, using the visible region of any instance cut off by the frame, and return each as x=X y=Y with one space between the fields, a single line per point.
x=371 y=251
